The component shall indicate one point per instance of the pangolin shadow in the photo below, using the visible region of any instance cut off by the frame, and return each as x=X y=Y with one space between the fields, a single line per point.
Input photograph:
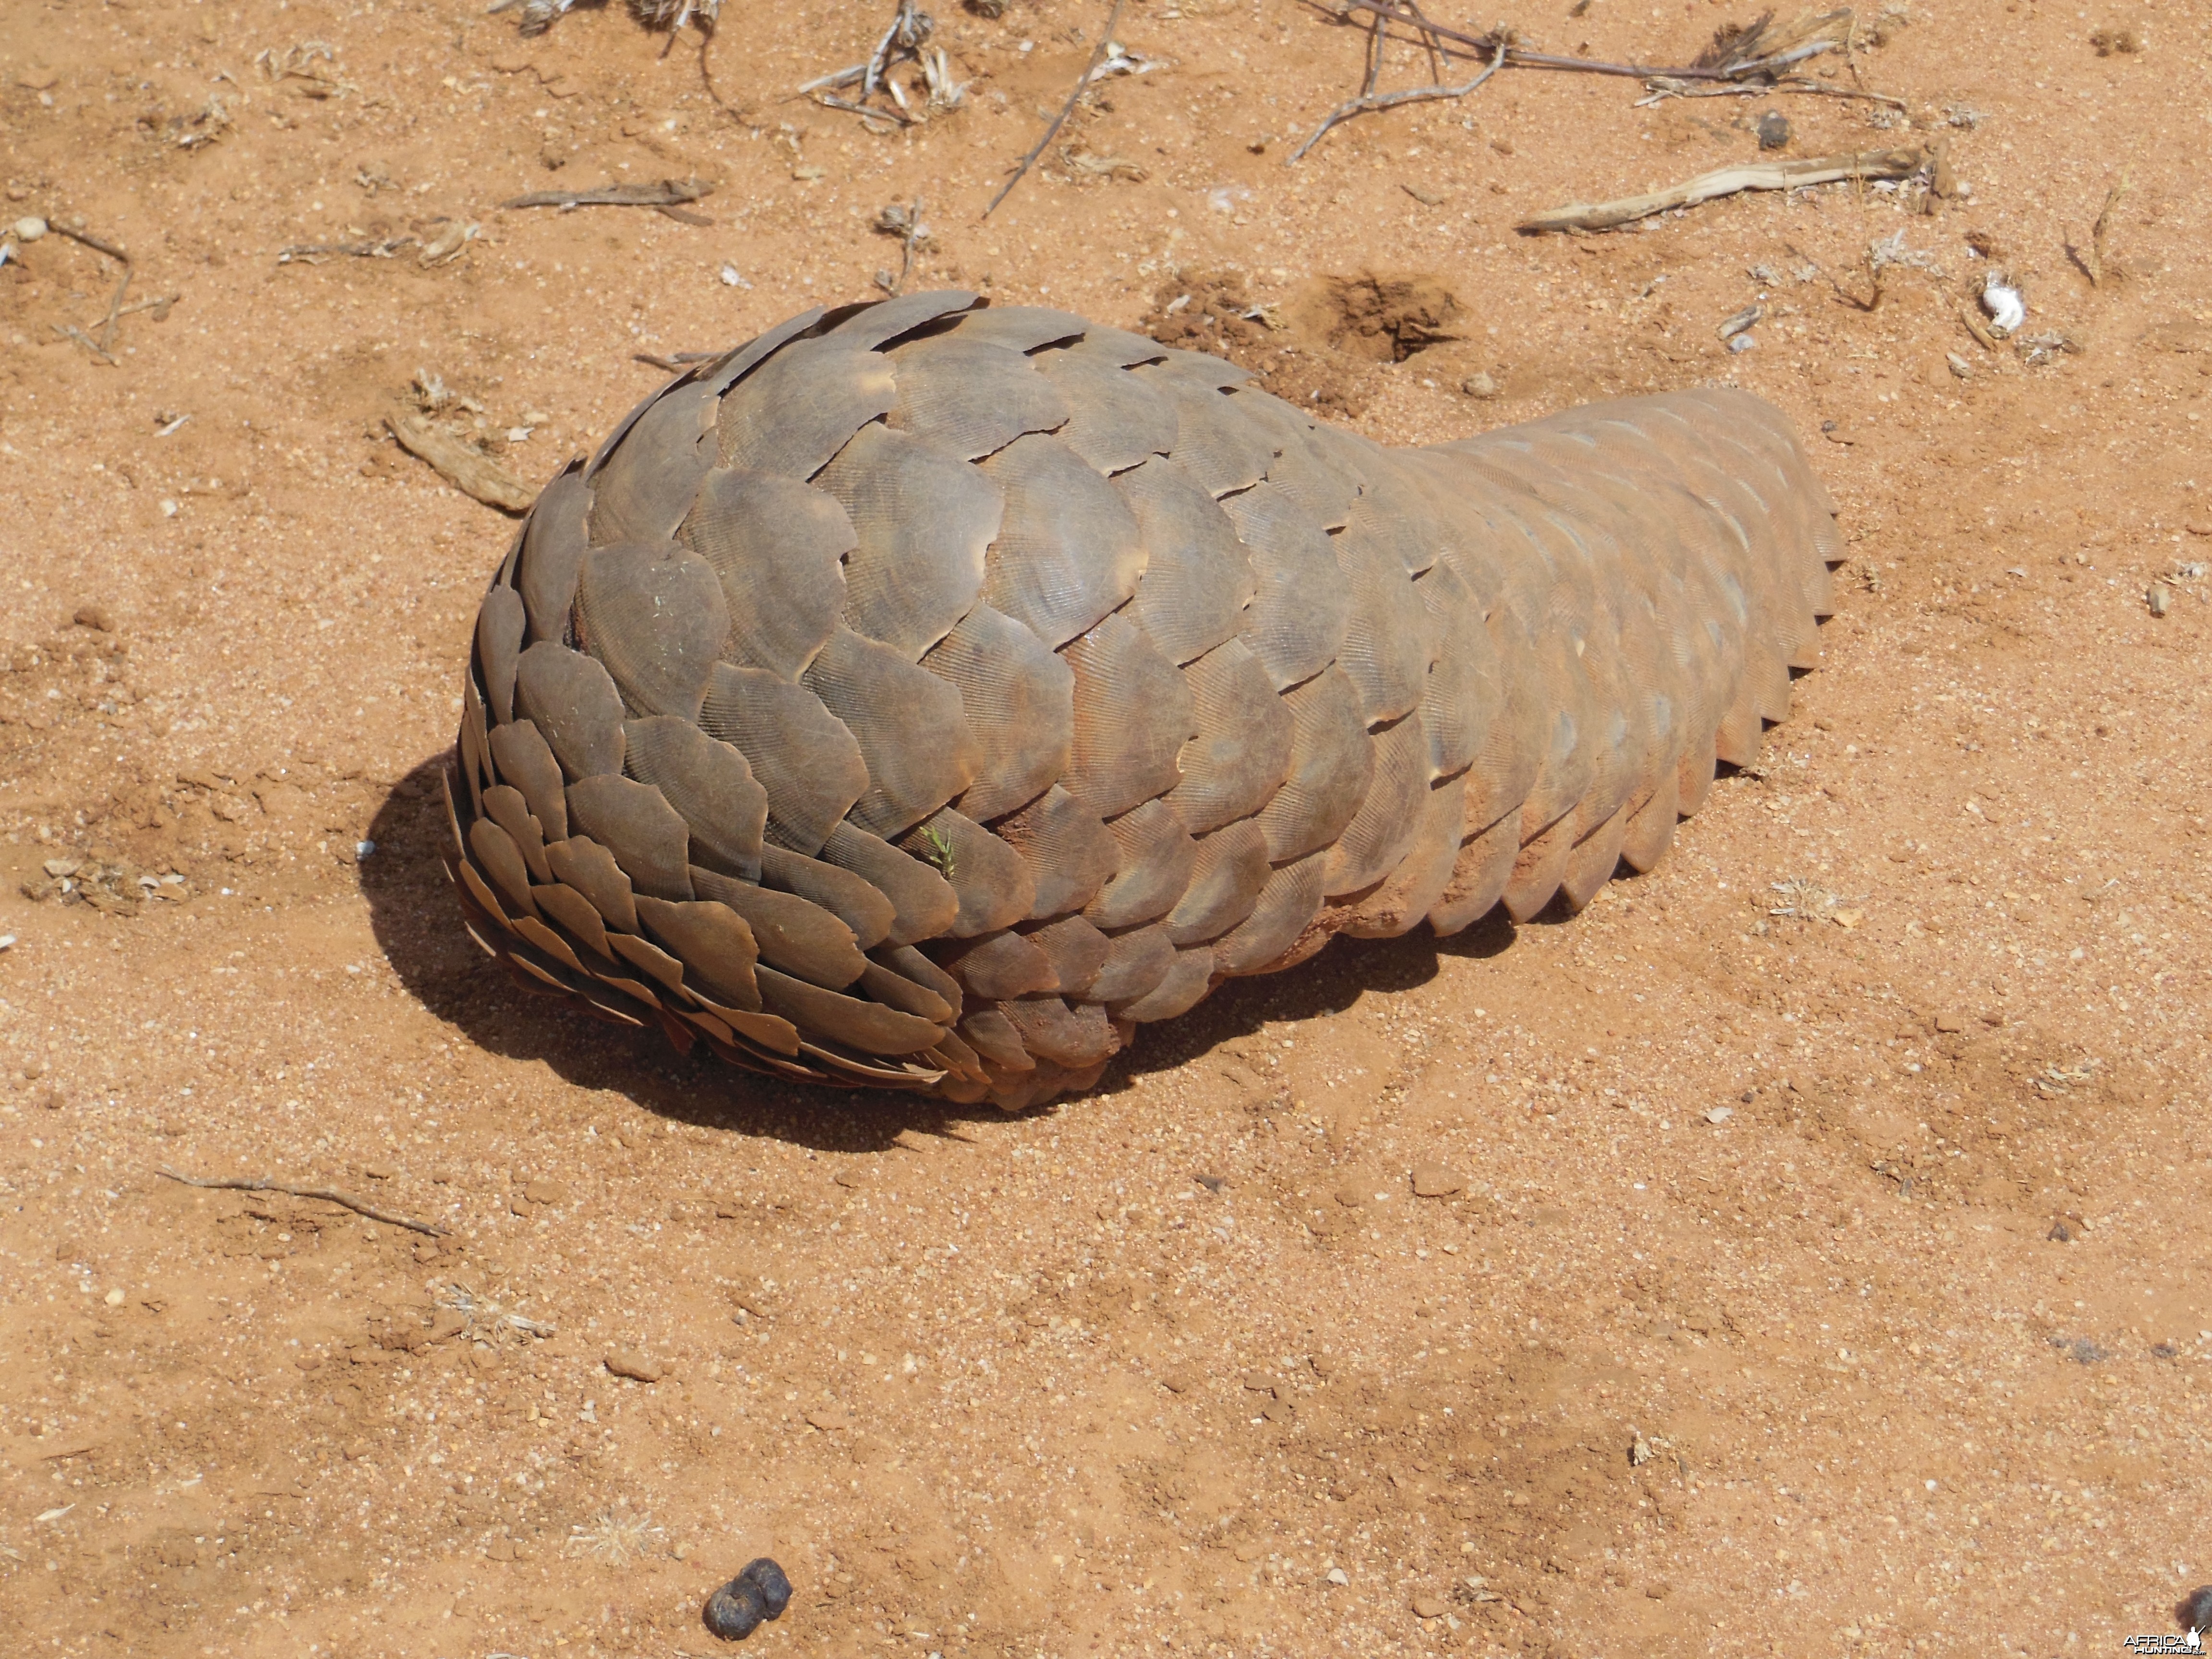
x=1334 y=980
x=417 y=924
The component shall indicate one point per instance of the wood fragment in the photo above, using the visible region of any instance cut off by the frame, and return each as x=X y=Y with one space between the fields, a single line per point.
x=1727 y=181
x=328 y=1194
x=2097 y=233
x=467 y=469
x=666 y=193
x=1082 y=82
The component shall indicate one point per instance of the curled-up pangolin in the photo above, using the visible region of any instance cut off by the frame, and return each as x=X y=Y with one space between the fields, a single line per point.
x=925 y=695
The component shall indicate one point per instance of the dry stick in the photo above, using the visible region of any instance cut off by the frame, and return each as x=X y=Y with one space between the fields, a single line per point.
x=1370 y=101
x=1727 y=181
x=1662 y=89
x=328 y=1194
x=668 y=192
x=902 y=32
x=2104 y=223
x=114 y=306
x=1082 y=81
x=1517 y=58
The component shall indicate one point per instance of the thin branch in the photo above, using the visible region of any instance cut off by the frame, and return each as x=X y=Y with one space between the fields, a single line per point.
x=1520 y=58
x=1661 y=89
x=328 y=1194
x=667 y=192
x=1082 y=81
x=1373 y=101
x=114 y=306
x=1727 y=181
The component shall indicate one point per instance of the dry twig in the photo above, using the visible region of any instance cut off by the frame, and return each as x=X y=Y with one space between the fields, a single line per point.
x=328 y=1194
x=904 y=221
x=1082 y=82
x=667 y=196
x=1729 y=181
x=314 y=253
x=114 y=306
x=1759 y=54
x=1370 y=100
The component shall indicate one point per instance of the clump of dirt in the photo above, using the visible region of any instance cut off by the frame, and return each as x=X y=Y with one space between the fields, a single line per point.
x=1381 y=319
x=1318 y=352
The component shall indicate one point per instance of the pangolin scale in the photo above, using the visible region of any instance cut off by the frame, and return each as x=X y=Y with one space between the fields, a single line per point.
x=926 y=694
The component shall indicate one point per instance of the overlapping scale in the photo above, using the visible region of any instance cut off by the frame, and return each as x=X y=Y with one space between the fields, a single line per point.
x=1241 y=752
x=923 y=520
x=1068 y=552
x=803 y=405
x=803 y=755
x=1067 y=847
x=573 y=702
x=708 y=784
x=1133 y=715
x=644 y=487
x=553 y=545
x=968 y=398
x=913 y=736
x=778 y=546
x=653 y=616
x=1300 y=607
x=1197 y=575
x=1018 y=700
x=1112 y=421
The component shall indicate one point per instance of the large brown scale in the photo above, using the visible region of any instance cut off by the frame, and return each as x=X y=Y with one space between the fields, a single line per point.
x=925 y=695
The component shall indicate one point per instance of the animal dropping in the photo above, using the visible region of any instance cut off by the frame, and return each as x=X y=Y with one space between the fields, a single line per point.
x=925 y=696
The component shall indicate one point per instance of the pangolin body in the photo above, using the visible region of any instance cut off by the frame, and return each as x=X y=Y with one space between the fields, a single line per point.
x=925 y=694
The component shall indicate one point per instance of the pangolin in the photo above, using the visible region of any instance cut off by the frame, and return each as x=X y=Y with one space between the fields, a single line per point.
x=928 y=693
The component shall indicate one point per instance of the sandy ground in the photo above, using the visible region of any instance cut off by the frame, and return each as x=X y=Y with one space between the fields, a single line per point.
x=1827 y=1271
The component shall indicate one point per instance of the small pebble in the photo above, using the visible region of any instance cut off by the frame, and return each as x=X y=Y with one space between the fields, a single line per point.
x=1434 y=1181
x=626 y=1362
x=1773 y=129
x=28 y=229
x=362 y=851
x=2160 y=599
x=1720 y=1115
x=1480 y=386
x=1338 y=1576
x=1743 y=343
x=96 y=616
x=1429 y=1607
